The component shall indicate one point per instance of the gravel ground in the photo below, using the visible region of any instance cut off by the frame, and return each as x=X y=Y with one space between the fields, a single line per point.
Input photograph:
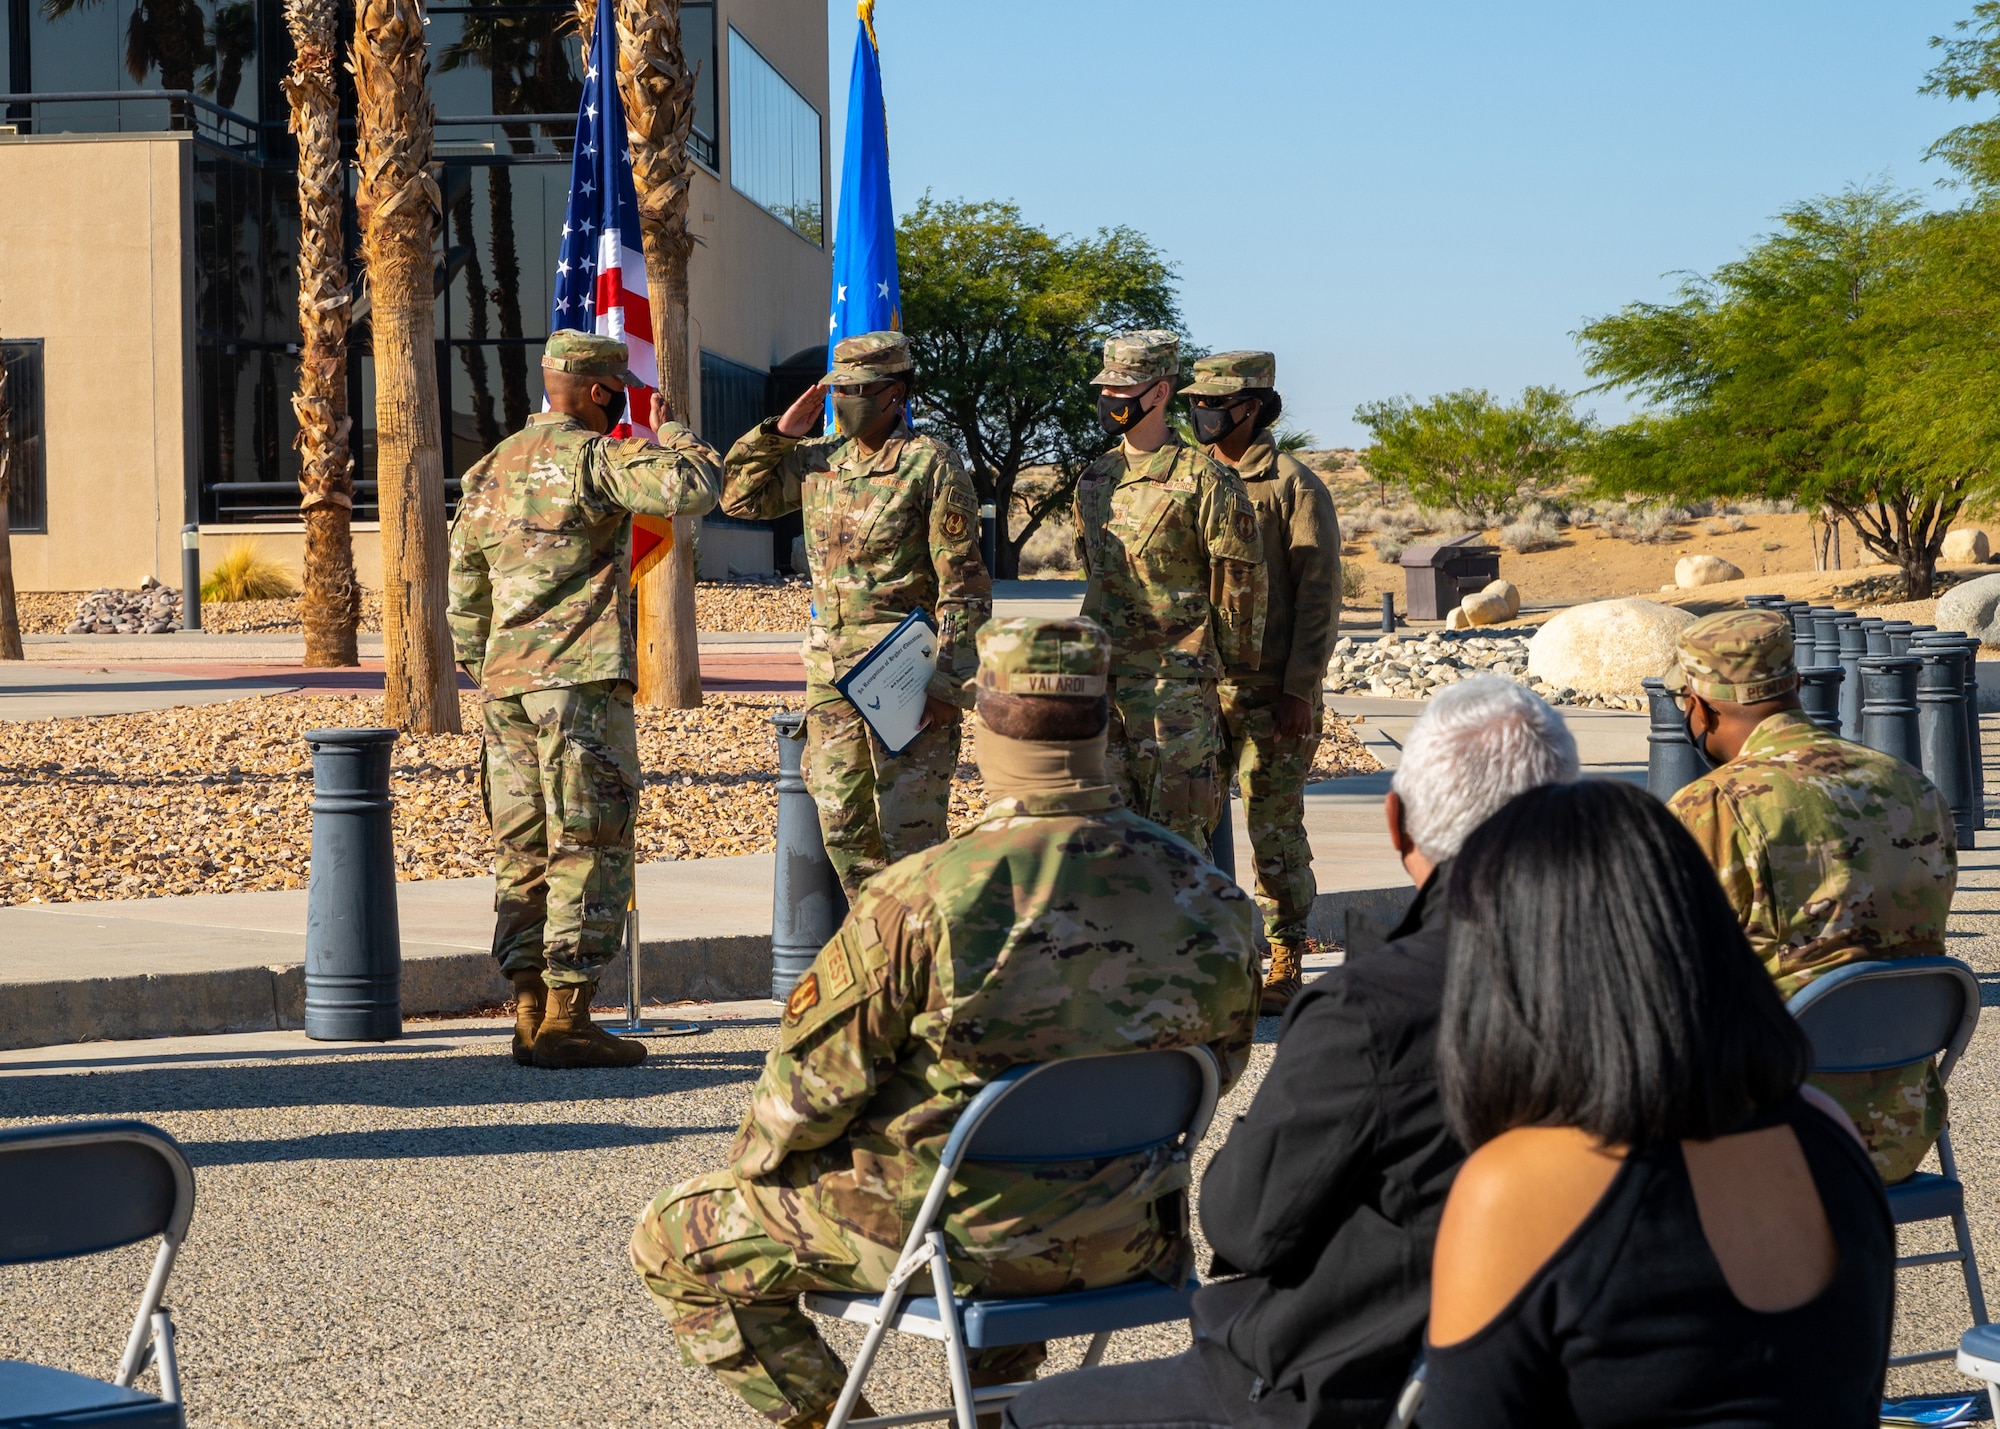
x=718 y=605
x=217 y=798
x=434 y=1237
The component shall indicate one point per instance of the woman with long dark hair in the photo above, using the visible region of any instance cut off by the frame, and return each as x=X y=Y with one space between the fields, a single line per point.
x=1655 y=1226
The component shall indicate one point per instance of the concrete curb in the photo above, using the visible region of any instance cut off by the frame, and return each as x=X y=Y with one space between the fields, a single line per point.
x=262 y=997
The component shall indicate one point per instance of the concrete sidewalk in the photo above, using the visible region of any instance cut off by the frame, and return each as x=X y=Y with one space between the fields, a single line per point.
x=155 y=967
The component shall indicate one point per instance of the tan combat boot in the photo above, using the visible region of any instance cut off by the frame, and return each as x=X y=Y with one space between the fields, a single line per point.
x=1285 y=980
x=568 y=1038
x=531 y=1000
x=818 y=1418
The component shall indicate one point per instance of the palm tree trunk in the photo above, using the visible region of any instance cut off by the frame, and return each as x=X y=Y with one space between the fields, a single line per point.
x=332 y=605
x=658 y=91
x=10 y=616
x=399 y=205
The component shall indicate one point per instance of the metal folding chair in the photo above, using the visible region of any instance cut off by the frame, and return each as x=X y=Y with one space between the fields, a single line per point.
x=1868 y=1017
x=1081 y=1109
x=76 y=1189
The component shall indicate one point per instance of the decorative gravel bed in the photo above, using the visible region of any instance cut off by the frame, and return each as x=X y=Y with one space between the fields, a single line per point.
x=217 y=798
x=1413 y=669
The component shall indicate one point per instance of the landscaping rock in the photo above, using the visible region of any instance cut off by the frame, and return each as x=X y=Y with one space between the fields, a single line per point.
x=1485 y=608
x=1507 y=592
x=1965 y=546
x=1608 y=646
x=1457 y=619
x=1973 y=607
x=1692 y=571
x=153 y=609
x=1414 y=669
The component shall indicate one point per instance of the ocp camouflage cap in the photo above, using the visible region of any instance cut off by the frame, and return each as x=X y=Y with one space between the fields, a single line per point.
x=1027 y=655
x=1141 y=356
x=1224 y=372
x=589 y=355
x=1738 y=656
x=868 y=357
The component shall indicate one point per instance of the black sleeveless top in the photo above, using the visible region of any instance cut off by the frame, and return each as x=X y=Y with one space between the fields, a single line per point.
x=1631 y=1322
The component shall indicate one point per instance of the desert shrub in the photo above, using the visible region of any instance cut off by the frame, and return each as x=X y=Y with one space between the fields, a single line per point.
x=1537 y=534
x=1051 y=548
x=1352 y=585
x=1444 y=521
x=245 y=574
x=1655 y=525
x=1389 y=549
x=1735 y=523
x=1774 y=545
x=1766 y=508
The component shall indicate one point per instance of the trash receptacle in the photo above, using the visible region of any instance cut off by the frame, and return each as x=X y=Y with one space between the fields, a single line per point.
x=1437 y=578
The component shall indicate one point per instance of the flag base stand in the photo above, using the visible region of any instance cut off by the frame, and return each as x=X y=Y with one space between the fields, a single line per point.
x=634 y=1025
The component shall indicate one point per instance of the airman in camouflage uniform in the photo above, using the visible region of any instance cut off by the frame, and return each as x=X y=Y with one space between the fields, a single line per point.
x=1830 y=852
x=890 y=528
x=1064 y=925
x=1272 y=710
x=541 y=615
x=1176 y=576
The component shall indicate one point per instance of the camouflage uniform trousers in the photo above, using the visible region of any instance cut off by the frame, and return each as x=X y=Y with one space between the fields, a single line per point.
x=560 y=776
x=1165 y=743
x=1271 y=774
x=730 y=1289
x=876 y=807
x=1900 y=1112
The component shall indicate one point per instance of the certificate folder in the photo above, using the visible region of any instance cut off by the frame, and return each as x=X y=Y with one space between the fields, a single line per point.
x=888 y=684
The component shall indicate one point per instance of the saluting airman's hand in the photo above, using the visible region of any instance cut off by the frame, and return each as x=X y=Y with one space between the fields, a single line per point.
x=806 y=415
x=662 y=411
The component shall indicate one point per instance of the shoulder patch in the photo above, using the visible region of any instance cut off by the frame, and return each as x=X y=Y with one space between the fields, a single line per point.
x=804 y=998
x=954 y=524
x=839 y=970
x=1246 y=525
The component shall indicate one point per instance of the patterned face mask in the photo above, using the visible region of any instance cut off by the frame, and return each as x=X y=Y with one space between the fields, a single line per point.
x=1214 y=424
x=1119 y=415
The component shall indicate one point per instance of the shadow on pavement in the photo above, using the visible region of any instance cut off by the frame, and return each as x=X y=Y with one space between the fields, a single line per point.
x=429 y=1142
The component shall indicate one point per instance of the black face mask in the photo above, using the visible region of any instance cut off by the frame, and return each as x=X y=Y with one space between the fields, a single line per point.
x=1700 y=743
x=614 y=413
x=1214 y=424
x=1119 y=415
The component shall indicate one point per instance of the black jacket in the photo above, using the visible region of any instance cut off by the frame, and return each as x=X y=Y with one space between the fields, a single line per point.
x=1325 y=1199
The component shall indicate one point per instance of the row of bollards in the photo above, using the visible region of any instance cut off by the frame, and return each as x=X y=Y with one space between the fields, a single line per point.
x=1908 y=690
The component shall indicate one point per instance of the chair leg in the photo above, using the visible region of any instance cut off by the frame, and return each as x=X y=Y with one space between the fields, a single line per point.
x=1969 y=1264
x=1093 y=1353
x=954 y=1335
x=885 y=1314
x=142 y=1326
x=163 y=1352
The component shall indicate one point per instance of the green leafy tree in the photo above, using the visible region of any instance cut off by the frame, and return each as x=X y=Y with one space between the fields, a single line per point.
x=1471 y=452
x=1006 y=323
x=1842 y=362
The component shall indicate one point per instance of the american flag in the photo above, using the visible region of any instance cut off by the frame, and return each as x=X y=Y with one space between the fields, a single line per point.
x=601 y=271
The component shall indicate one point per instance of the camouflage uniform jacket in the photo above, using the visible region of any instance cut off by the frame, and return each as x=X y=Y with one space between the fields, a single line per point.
x=1301 y=539
x=1830 y=852
x=885 y=534
x=1062 y=926
x=1175 y=565
x=541 y=550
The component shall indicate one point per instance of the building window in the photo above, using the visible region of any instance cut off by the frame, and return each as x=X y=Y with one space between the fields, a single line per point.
x=698 y=46
x=732 y=400
x=27 y=465
x=774 y=141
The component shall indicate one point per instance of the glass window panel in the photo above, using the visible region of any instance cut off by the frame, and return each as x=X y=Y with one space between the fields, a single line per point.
x=774 y=141
x=698 y=44
x=732 y=400
x=200 y=45
x=27 y=497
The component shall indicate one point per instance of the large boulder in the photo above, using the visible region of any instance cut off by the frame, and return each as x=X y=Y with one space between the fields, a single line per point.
x=1966 y=546
x=1507 y=593
x=1608 y=646
x=1974 y=608
x=1692 y=571
x=1486 y=608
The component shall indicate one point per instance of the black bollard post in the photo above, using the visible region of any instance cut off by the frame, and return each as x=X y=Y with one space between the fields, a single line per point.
x=1799 y=612
x=1975 y=762
x=1388 y=613
x=190 y=577
x=1853 y=637
x=1898 y=632
x=806 y=901
x=1889 y=705
x=1819 y=692
x=1671 y=762
x=1941 y=732
x=1826 y=635
x=989 y=538
x=354 y=947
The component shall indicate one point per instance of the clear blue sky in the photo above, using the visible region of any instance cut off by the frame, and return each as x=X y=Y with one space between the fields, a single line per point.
x=1406 y=197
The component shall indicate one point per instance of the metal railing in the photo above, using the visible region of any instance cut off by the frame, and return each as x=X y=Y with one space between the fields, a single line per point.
x=187 y=112
x=244 y=501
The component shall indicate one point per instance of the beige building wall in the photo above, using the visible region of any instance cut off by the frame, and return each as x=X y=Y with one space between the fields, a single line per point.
x=120 y=416
x=96 y=259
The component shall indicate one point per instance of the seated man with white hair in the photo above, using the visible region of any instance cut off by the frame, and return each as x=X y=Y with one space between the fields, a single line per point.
x=1323 y=1204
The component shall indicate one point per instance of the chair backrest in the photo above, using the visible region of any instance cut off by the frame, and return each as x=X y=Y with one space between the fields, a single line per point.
x=84 y=1186
x=1866 y=1017
x=1086 y=1108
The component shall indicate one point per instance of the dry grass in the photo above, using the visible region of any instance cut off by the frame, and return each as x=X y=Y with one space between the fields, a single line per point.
x=244 y=573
